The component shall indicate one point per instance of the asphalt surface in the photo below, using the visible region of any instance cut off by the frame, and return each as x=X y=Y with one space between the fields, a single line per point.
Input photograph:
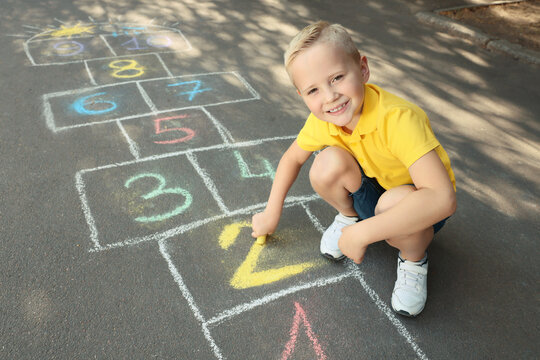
x=138 y=137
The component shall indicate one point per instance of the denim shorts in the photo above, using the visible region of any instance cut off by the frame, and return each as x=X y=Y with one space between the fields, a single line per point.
x=366 y=198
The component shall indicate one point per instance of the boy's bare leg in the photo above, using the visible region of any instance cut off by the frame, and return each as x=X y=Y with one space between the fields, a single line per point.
x=334 y=174
x=410 y=289
x=412 y=246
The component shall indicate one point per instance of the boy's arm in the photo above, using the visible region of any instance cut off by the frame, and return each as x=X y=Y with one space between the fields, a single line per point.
x=433 y=201
x=289 y=166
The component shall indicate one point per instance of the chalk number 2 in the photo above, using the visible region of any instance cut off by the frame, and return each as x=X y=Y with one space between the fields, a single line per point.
x=161 y=190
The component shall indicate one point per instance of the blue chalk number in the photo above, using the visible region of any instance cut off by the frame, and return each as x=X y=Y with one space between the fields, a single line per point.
x=196 y=89
x=81 y=105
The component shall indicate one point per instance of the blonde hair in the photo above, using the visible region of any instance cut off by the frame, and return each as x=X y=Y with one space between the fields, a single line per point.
x=320 y=31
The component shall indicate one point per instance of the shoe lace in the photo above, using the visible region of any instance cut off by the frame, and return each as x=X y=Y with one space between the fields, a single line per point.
x=411 y=275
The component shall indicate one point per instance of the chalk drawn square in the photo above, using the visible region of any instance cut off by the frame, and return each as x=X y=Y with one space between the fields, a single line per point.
x=141 y=201
x=66 y=50
x=334 y=321
x=250 y=174
x=250 y=120
x=116 y=70
x=223 y=268
x=198 y=90
x=83 y=107
x=171 y=132
x=148 y=42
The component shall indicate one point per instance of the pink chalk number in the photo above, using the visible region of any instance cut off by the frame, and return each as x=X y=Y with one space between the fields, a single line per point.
x=159 y=130
x=300 y=317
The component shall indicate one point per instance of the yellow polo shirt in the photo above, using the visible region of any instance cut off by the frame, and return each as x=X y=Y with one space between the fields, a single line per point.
x=390 y=136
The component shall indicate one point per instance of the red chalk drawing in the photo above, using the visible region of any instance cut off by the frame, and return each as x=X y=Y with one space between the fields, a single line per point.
x=300 y=316
x=157 y=125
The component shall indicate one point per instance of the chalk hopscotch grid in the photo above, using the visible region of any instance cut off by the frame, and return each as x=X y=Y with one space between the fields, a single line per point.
x=49 y=116
x=102 y=36
x=161 y=238
x=351 y=271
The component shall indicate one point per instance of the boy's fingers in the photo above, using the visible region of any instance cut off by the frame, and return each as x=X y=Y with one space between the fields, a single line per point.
x=257 y=235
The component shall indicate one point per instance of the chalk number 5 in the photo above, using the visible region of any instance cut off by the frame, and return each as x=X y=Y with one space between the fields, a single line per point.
x=161 y=190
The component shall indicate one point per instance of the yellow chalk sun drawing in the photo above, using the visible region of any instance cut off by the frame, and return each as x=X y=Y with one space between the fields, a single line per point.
x=66 y=31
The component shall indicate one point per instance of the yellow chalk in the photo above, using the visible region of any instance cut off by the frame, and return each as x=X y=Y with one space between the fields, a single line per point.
x=261 y=240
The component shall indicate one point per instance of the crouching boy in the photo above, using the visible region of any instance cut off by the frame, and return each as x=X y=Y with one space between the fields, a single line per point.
x=380 y=165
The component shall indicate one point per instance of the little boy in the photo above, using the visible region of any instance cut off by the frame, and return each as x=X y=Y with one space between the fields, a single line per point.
x=380 y=167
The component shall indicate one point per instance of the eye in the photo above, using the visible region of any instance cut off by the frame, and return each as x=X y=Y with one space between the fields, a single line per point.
x=312 y=91
x=337 y=78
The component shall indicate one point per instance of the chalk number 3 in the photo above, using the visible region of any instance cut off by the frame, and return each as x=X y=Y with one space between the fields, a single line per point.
x=161 y=190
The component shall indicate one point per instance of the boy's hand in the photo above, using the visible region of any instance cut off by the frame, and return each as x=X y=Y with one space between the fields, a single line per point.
x=289 y=166
x=350 y=245
x=263 y=223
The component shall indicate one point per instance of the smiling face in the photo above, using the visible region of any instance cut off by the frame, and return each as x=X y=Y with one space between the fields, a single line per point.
x=331 y=83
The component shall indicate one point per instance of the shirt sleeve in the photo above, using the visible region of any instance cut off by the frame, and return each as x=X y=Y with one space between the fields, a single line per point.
x=408 y=134
x=309 y=138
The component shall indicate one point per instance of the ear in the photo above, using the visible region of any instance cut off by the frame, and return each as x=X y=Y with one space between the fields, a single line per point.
x=298 y=92
x=364 y=68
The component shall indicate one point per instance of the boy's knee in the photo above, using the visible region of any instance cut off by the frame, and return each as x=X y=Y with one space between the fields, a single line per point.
x=328 y=165
x=391 y=197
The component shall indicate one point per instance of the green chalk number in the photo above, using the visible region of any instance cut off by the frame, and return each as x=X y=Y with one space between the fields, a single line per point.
x=246 y=173
x=158 y=191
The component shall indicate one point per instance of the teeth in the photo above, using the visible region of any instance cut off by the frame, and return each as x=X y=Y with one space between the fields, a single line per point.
x=338 y=108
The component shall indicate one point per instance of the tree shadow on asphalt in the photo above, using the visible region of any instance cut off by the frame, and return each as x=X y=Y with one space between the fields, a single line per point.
x=483 y=106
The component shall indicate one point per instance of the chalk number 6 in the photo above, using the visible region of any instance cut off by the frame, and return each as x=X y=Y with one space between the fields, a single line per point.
x=160 y=190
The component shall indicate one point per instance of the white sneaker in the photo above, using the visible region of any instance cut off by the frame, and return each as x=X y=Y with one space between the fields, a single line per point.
x=329 y=240
x=410 y=291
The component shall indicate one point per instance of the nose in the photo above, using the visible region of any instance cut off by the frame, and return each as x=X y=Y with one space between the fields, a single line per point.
x=330 y=95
